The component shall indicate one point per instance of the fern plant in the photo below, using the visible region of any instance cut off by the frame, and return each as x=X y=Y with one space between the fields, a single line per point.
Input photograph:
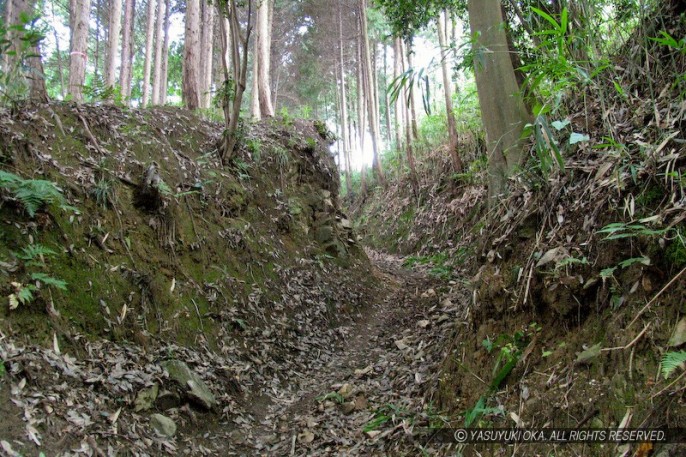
x=671 y=361
x=33 y=194
x=35 y=254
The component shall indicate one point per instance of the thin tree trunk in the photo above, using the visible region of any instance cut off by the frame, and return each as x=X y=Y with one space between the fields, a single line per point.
x=96 y=57
x=361 y=99
x=239 y=62
x=206 y=50
x=191 y=57
x=344 y=104
x=398 y=110
x=369 y=85
x=264 y=56
x=79 y=49
x=147 y=66
x=409 y=147
x=113 y=42
x=127 y=51
x=9 y=18
x=225 y=40
x=157 y=73
x=413 y=107
x=165 y=54
x=387 y=104
x=255 y=91
x=60 y=70
x=447 y=86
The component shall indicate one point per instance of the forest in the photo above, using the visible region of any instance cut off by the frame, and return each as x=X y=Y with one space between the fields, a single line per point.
x=343 y=227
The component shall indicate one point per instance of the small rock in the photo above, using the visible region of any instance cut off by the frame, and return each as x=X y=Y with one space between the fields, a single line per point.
x=679 y=336
x=163 y=425
x=179 y=372
x=348 y=407
x=423 y=323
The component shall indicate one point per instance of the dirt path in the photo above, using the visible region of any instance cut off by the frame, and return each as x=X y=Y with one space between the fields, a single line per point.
x=362 y=396
x=361 y=388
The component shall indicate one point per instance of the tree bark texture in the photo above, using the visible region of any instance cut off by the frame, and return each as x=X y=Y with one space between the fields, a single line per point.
x=27 y=57
x=191 y=56
x=165 y=54
x=447 y=90
x=79 y=49
x=113 y=42
x=149 y=36
x=503 y=110
x=159 y=42
x=125 y=73
x=368 y=81
x=207 y=26
x=263 y=55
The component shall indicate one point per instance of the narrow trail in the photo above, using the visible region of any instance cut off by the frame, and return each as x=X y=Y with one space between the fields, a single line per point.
x=360 y=397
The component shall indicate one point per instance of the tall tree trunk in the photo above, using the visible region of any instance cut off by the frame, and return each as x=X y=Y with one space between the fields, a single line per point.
x=9 y=18
x=398 y=109
x=409 y=139
x=79 y=49
x=368 y=82
x=344 y=104
x=165 y=54
x=503 y=110
x=113 y=42
x=60 y=70
x=263 y=54
x=191 y=56
x=23 y=56
x=157 y=73
x=413 y=104
x=125 y=72
x=225 y=42
x=96 y=56
x=237 y=79
x=255 y=91
x=361 y=99
x=206 y=50
x=447 y=90
x=147 y=66
x=387 y=104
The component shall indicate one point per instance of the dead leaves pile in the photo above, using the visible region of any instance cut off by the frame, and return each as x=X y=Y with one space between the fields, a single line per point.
x=372 y=394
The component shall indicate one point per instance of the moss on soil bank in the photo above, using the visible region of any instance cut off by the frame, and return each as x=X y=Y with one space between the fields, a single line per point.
x=173 y=265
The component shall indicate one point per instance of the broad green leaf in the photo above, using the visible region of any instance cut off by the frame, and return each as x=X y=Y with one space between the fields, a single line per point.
x=575 y=138
x=559 y=125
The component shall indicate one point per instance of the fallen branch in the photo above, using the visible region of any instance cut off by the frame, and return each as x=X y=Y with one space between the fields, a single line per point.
x=630 y=344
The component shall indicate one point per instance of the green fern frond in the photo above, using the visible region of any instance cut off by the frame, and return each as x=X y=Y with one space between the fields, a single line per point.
x=35 y=251
x=49 y=280
x=25 y=294
x=33 y=193
x=671 y=361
